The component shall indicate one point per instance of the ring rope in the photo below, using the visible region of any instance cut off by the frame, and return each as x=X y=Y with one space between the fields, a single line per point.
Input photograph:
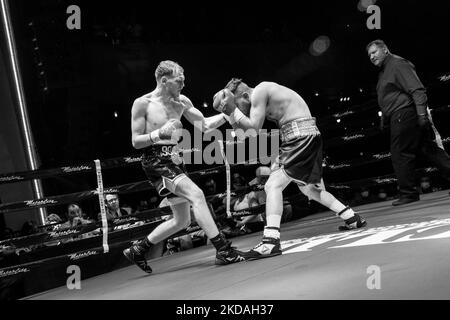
x=101 y=200
x=130 y=160
x=228 y=177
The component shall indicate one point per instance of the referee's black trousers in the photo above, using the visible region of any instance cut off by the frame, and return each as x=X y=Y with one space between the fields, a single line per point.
x=407 y=141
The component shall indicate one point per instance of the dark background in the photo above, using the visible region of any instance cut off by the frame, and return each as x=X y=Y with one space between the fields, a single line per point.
x=76 y=80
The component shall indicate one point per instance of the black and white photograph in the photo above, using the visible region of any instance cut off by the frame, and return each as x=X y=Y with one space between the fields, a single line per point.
x=224 y=159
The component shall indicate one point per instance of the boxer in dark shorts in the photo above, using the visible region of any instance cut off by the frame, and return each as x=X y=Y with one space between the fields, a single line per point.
x=300 y=157
x=301 y=151
x=164 y=168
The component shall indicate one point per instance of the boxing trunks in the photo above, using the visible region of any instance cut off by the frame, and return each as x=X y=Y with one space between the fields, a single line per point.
x=164 y=167
x=301 y=151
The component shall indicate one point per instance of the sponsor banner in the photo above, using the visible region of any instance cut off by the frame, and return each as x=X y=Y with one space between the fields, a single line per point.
x=353 y=137
x=13 y=178
x=82 y=254
x=7 y=272
x=394 y=234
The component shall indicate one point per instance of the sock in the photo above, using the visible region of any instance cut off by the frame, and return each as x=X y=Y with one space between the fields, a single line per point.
x=272 y=232
x=218 y=242
x=346 y=213
x=337 y=206
x=274 y=220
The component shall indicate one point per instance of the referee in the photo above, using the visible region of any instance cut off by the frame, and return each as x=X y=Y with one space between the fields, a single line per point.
x=403 y=102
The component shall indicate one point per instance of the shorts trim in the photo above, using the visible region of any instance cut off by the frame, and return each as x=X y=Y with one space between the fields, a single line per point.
x=169 y=185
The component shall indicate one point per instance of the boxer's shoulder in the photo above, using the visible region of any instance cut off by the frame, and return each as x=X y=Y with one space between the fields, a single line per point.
x=187 y=103
x=143 y=101
x=266 y=85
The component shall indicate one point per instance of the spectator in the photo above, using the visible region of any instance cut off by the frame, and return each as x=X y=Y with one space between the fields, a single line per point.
x=53 y=218
x=127 y=208
x=142 y=206
x=74 y=217
x=382 y=195
x=210 y=187
x=251 y=199
x=237 y=182
x=113 y=209
x=425 y=185
x=28 y=228
x=217 y=205
x=363 y=196
x=53 y=222
x=154 y=202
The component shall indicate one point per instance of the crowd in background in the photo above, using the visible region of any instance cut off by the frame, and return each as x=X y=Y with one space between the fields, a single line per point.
x=242 y=198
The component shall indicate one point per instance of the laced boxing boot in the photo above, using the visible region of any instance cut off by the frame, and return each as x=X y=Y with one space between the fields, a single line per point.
x=228 y=254
x=352 y=223
x=136 y=254
x=268 y=247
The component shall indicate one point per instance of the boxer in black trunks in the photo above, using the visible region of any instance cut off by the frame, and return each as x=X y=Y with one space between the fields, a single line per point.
x=300 y=158
x=156 y=128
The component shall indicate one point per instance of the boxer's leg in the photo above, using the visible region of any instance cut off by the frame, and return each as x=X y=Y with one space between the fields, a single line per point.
x=270 y=244
x=317 y=193
x=181 y=220
x=187 y=189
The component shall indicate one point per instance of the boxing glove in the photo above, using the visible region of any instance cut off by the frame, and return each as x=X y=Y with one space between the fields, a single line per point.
x=166 y=132
x=223 y=101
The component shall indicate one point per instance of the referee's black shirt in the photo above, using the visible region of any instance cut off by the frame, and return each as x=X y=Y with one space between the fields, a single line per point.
x=399 y=86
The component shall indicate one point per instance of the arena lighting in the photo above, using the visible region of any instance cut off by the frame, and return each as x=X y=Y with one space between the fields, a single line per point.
x=25 y=123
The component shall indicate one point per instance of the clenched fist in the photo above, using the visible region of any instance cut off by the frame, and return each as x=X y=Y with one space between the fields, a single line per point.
x=171 y=127
x=223 y=101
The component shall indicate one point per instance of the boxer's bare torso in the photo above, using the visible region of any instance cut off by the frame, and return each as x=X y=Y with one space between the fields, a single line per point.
x=282 y=103
x=155 y=111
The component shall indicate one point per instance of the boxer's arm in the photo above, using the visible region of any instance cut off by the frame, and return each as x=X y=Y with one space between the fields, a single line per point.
x=198 y=120
x=257 y=111
x=139 y=138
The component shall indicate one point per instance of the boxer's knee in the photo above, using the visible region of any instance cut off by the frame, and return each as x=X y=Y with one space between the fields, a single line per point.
x=196 y=196
x=311 y=191
x=182 y=221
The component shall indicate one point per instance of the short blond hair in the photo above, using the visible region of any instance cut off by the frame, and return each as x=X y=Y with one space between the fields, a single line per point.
x=167 y=68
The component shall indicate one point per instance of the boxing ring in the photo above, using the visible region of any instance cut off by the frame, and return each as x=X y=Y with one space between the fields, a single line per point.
x=399 y=255
x=410 y=269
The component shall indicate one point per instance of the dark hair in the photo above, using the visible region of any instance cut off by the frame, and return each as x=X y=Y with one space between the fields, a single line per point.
x=379 y=43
